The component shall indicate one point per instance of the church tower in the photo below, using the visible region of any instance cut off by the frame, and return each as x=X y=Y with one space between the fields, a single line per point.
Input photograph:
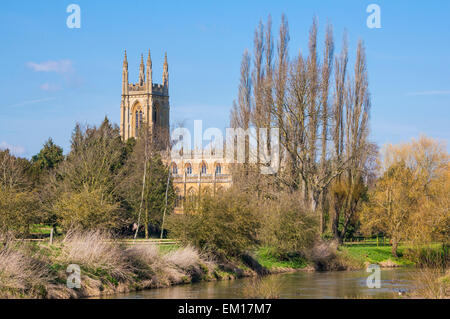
x=145 y=102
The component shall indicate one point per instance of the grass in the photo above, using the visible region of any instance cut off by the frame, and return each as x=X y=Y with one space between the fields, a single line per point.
x=21 y=274
x=269 y=259
x=40 y=229
x=43 y=229
x=168 y=247
x=373 y=254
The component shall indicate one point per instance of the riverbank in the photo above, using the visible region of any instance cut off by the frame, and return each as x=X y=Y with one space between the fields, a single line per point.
x=381 y=255
x=106 y=266
x=95 y=265
x=355 y=257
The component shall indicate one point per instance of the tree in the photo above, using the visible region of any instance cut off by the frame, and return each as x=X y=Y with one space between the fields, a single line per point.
x=155 y=194
x=392 y=204
x=87 y=209
x=296 y=96
x=142 y=183
x=13 y=172
x=18 y=211
x=89 y=173
x=410 y=199
x=48 y=157
x=19 y=204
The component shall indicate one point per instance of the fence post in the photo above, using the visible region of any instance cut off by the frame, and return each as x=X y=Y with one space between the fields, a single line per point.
x=51 y=236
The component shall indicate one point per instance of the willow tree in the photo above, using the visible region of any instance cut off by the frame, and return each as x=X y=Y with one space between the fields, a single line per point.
x=410 y=199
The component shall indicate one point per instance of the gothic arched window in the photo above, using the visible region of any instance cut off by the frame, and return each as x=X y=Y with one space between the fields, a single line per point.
x=137 y=122
x=188 y=169
x=218 y=169
x=178 y=198
x=155 y=113
x=204 y=169
x=192 y=196
x=140 y=118
x=174 y=169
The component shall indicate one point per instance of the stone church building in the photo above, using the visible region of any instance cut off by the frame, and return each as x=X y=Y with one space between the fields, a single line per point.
x=146 y=102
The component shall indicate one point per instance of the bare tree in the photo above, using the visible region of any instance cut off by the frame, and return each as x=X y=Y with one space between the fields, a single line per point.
x=323 y=126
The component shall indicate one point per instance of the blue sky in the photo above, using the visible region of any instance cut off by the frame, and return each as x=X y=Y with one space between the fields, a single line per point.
x=52 y=76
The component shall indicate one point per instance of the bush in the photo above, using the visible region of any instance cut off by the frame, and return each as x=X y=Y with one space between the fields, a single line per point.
x=287 y=227
x=94 y=250
x=429 y=257
x=21 y=274
x=18 y=211
x=86 y=210
x=226 y=225
x=430 y=283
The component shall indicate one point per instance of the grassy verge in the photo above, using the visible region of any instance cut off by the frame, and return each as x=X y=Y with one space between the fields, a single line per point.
x=268 y=258
x=373 y=254
x=407 y=255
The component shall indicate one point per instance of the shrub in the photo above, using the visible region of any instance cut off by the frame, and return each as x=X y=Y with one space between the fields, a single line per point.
x=18 y=210
x=226 y=225
x=429 y=257
x=286 y=227
x=430 y=283
x=86 y=210
x=21 y=274
x=184 y=258
x=94 y=250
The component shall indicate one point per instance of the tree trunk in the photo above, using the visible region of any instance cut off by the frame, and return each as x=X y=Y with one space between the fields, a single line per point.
x=146 y=223
x=394 y=247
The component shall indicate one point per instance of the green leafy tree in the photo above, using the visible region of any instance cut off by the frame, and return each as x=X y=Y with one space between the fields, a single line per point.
x=155 y=194
x=142 y=183
x=88 y=173
x=19 y=203
x=87 y=209
x=49 y=156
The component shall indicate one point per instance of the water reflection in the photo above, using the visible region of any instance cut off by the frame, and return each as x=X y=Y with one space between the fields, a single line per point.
x=344 y=284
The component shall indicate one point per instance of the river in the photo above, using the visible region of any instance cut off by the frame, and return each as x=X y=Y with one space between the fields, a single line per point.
x=339 y=284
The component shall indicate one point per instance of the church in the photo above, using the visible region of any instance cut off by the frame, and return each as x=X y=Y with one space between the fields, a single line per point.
x=146 y=102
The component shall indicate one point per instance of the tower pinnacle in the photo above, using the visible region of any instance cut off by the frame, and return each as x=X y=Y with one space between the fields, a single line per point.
x=125 y=74
x=166 y=72
x=141 y=71
x=149 y=72
x=125 y=61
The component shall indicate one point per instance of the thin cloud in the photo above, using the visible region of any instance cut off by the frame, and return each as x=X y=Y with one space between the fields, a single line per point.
x=49 y=87
x=430 y=93
x=33 y=101
x=61 y=66
x=14 y=149
x=64 y=68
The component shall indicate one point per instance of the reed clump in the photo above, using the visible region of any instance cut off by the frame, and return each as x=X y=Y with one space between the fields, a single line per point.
x=31 y=270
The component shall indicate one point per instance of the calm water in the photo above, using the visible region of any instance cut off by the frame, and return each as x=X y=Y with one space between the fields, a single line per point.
x=343 y=284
